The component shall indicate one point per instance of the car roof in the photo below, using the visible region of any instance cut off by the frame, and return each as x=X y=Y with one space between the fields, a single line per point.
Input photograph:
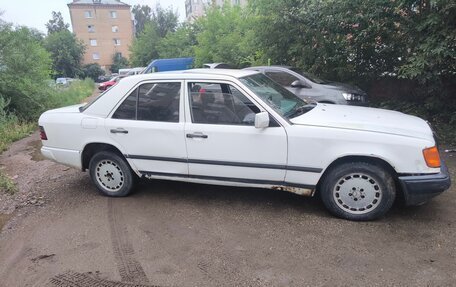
x=269 y=67
x=195 y=73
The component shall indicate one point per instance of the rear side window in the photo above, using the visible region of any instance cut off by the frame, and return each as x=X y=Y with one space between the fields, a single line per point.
x=127 y=110
x=157 y=102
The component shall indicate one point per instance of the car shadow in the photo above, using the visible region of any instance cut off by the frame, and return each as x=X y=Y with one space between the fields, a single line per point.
x=216 y=195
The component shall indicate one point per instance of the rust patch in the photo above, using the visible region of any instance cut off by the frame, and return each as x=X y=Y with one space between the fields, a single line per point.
x=296 y=190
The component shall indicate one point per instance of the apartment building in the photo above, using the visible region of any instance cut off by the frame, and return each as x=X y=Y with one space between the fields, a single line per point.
x=105 y=26
x=196 y=8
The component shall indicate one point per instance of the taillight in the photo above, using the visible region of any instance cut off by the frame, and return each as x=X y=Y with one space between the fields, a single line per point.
x=43 y=135
x=432 y=157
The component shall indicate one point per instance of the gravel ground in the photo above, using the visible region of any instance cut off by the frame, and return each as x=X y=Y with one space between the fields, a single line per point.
x=61 y=232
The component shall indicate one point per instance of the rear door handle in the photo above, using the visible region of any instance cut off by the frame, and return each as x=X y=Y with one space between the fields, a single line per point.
x=119 y=131
x=197 y=135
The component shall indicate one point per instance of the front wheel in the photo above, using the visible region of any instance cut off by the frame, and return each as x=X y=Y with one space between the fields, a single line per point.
x=111 y=174
x=358 y=191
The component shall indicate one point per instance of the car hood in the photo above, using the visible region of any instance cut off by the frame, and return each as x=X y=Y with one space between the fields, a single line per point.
x=343 y=87
x=365 y=119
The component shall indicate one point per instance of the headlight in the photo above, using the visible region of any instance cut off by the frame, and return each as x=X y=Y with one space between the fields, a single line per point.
x=353 y=97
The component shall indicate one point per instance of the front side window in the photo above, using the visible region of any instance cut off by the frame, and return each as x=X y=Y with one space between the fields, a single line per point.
x=222 y=104
x=91 y=28
x=113 y=14
x=158 y=102
x=283 y=78
x=116 y=42
x=115 y=29
x=93 y=42
x=96 y=56
x=88 y=14
x=277 y=97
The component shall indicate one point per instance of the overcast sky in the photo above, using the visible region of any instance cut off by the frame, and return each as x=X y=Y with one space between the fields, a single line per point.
x=35 y=13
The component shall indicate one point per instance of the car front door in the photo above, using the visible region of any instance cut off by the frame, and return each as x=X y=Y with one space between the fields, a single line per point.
x=222 y=141
x=149 y=126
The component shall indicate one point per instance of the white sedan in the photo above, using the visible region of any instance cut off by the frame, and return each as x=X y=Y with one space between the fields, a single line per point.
x=239 y=128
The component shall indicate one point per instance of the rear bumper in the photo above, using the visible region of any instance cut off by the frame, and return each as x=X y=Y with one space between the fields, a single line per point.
x=67 y=157
x=420 y=188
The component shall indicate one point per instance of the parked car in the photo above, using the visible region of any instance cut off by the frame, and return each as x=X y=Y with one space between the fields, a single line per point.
x=216 y=66
x=135 y=71
x=63 y=81
x=108 y=84
x=309 y=87
x=240 y=128
x=165 y=65
x=104 y=78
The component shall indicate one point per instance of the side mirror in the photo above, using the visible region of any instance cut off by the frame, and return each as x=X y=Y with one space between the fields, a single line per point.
x=262 y=120
x=298 y=84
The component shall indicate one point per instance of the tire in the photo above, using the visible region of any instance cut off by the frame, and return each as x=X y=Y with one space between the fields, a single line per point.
x=111 y=174
x=358 y=191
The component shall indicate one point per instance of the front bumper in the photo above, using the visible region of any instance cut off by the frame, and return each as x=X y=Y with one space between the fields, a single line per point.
x=420 y=188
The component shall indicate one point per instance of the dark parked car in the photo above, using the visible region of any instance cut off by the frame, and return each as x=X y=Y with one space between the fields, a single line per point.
x=310 y=87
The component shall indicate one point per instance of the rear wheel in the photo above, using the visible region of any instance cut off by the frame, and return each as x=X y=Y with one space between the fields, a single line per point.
x=111 y=174
x=358 y=191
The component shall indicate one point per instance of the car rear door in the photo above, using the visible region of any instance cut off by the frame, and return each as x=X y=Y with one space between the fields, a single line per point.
x=222 y=141
x=149 y=126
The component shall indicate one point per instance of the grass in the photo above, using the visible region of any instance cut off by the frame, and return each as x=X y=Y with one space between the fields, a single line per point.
x=13 y=129
x=7 y=185
x=74 y=94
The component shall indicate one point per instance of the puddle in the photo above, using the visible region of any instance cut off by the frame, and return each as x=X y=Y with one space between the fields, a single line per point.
x=35 y=147
x=4 y=219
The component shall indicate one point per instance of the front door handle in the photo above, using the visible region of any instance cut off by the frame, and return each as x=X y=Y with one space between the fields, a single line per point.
x=197 y=135
x=119 y=131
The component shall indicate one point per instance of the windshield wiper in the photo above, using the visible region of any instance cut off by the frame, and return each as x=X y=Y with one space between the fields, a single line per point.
x=301 y=110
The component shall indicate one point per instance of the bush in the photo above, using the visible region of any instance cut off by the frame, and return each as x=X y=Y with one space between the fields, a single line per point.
x=92 y=71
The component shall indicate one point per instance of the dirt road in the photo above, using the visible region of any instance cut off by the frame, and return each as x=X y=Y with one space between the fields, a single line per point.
x=63 y=233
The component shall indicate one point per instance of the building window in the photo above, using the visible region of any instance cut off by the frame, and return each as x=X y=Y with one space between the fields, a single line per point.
x=91 y=28
x=113 y=14
x=93 y=42
x=96 y=56
x=88 y=14
x=116 y=42
x=115 y=29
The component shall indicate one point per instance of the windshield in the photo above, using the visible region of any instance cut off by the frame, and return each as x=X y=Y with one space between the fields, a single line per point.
x=280 y=99
x=310 y=76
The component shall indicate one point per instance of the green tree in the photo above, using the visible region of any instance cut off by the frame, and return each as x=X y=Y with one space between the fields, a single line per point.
x=56 y=24
x=180 y=43
x=142 y=15
x=67 y=52
x=166 y=20
x=144 y=48
x=25 y=68
x=118 y=62
x=226 y=36
x=92 y=71
x=431 y=53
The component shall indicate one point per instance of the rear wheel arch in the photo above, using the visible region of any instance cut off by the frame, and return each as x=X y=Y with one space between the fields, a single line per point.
x=93 y=148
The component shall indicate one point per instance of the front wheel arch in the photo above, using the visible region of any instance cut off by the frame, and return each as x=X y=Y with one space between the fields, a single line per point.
x=367 y=159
